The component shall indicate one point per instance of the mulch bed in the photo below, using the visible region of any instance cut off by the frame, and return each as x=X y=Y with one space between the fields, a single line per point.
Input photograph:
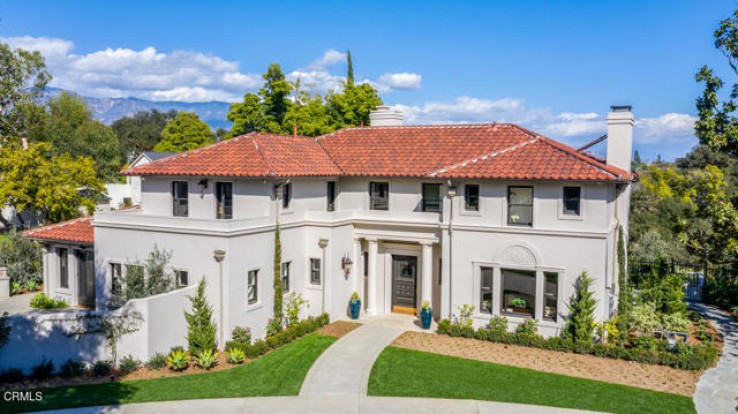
x=653 y=377
x=338 y=328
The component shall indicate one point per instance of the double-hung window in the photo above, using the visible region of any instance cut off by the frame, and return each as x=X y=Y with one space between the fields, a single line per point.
x=471 y=197
x=572 y=200
x=315 y=271
x=252 y=286
x=182 y=278
x=286 y=276
x=379 y=196
x=116 y=278
x=520 y=206
x=63 y=268
x=179 y=198
x=286 y=195
x=331 y=192
x=224 y=199
x=432 y=197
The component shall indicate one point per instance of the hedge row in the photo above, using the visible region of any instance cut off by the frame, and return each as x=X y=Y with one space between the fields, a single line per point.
x=681 y=356
x=282 y=338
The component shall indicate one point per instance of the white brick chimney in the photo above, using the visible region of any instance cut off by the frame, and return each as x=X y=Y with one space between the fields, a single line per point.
x=620 y=137
x=384 y=116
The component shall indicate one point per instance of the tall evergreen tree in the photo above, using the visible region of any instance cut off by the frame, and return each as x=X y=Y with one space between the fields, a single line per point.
x=623 y=296
x=275 y=94
x=350 y=74
x=580 y=325
x=278 y=289
x=200 y=326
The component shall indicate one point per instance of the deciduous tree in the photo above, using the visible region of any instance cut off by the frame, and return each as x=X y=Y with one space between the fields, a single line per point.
x=184 y=132
x=140 y=132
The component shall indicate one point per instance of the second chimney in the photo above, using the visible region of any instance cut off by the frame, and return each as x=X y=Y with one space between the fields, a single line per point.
x=620 y=137
x=385 y=116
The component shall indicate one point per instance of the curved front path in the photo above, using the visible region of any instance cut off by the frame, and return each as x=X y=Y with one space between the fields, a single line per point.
x=717 y=390
x=322 y=405
x=343 y=369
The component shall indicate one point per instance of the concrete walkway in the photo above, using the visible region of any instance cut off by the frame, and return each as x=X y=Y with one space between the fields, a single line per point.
x=17 y=304
x=343 y=369
x=321 y=405
x=717 y=390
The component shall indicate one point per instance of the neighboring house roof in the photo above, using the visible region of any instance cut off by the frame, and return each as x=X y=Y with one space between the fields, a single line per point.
x=77 y=230
x=489 y=151
x=150 y=156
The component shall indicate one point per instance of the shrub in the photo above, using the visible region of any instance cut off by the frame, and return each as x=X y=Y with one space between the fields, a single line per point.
x=175 y=348
x=158 y=361
x=200 y=326
x=482 y=333
x=31 y=285
x=642 y=320
x=4 y=330
x=42 y=370
x=72 y=368
x=582 y=347
x=274 y=326
x=236 y=356
x=465 y=315
x=675 y=322
x=559 y=344
x=11 y=375
x=259 y=348
x=443 y=326
x=665 y=293
x=528 y=327
x=643 y=342
x=16 y=288
x=41 y=301
x=22 y=257
x=178 y=360
x=102 y=368
x=293 y=307
x=206 y=359
x=241 y=335
x=498 y=324
x=580 y=325
x=128 y=364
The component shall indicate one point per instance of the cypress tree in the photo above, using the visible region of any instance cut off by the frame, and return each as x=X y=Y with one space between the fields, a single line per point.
x=623 y=297
x=580 y=326
x=350 y=74
x=277 y=276
x=200 y=326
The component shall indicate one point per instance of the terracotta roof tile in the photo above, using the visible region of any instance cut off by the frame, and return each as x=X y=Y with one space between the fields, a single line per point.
x=77 y=230
x=494 y=151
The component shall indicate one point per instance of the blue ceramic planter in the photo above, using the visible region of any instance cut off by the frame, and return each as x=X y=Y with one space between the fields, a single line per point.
x=355 y=309
x=426 y=316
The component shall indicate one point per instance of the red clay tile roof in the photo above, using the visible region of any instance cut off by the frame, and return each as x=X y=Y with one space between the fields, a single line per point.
x=491 y=151
x=77 y=230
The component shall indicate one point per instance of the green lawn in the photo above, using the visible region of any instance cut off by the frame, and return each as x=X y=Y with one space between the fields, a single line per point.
x=280 y=372
x=405 y=373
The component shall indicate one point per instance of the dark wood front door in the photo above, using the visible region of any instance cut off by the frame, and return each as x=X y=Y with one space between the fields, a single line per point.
x=404 y=284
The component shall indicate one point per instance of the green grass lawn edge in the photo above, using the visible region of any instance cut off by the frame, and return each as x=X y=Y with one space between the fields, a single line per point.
x=280 y=372
x=402 y=372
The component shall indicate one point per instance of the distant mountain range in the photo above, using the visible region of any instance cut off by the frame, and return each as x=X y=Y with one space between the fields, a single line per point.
x=108 y=110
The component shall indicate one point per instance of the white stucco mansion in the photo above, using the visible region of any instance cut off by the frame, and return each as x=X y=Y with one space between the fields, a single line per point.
x=490 y=215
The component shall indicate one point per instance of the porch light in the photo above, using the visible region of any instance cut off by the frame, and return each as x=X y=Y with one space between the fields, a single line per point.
x=346 y=264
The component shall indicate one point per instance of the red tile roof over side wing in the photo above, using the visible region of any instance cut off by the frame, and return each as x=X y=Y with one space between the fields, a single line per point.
x=77 y=230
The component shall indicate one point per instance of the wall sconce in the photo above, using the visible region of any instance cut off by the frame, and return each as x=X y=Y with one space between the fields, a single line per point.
x=346 y=264
x=203 y=184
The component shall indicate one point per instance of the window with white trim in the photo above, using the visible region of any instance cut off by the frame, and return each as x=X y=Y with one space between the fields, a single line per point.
x=378 y=196
x=116 y=278
x=252 y=286
x=572 y=200
x=520 y=206
x=286 y=276
x=486 y=286
x=181 y=278
x=180 y=198
x=63 y=267
x=315 y=271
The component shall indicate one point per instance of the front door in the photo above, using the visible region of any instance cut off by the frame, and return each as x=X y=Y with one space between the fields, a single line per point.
x=86 y=278
x=404 y=278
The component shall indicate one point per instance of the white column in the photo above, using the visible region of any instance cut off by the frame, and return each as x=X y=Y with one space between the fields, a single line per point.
x=356 y=266
x=426 y=281
x=323 y=244
x=539 y=295
x=371 y=297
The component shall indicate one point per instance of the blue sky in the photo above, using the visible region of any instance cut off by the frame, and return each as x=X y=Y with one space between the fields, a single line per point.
x=553 y=66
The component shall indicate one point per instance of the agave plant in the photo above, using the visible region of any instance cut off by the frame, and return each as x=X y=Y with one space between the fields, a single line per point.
x=31 y=285
x=206 y=359
x=236 y=356
x=178 y=360
x=16 y=287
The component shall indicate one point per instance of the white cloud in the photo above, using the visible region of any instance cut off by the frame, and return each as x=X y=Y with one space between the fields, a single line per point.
x=399 y=81
x=574 y=128
x=180 y=75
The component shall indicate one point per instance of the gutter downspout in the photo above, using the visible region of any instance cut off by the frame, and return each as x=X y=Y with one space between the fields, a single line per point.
x=219 y=255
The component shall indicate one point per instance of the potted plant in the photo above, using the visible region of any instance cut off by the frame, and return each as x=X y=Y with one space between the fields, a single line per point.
x=518 y=305
x=354 y=306
x=426 y=315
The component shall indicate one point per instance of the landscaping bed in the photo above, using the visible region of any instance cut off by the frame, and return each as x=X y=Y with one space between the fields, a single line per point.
x=338 y=329
x=653 y=377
